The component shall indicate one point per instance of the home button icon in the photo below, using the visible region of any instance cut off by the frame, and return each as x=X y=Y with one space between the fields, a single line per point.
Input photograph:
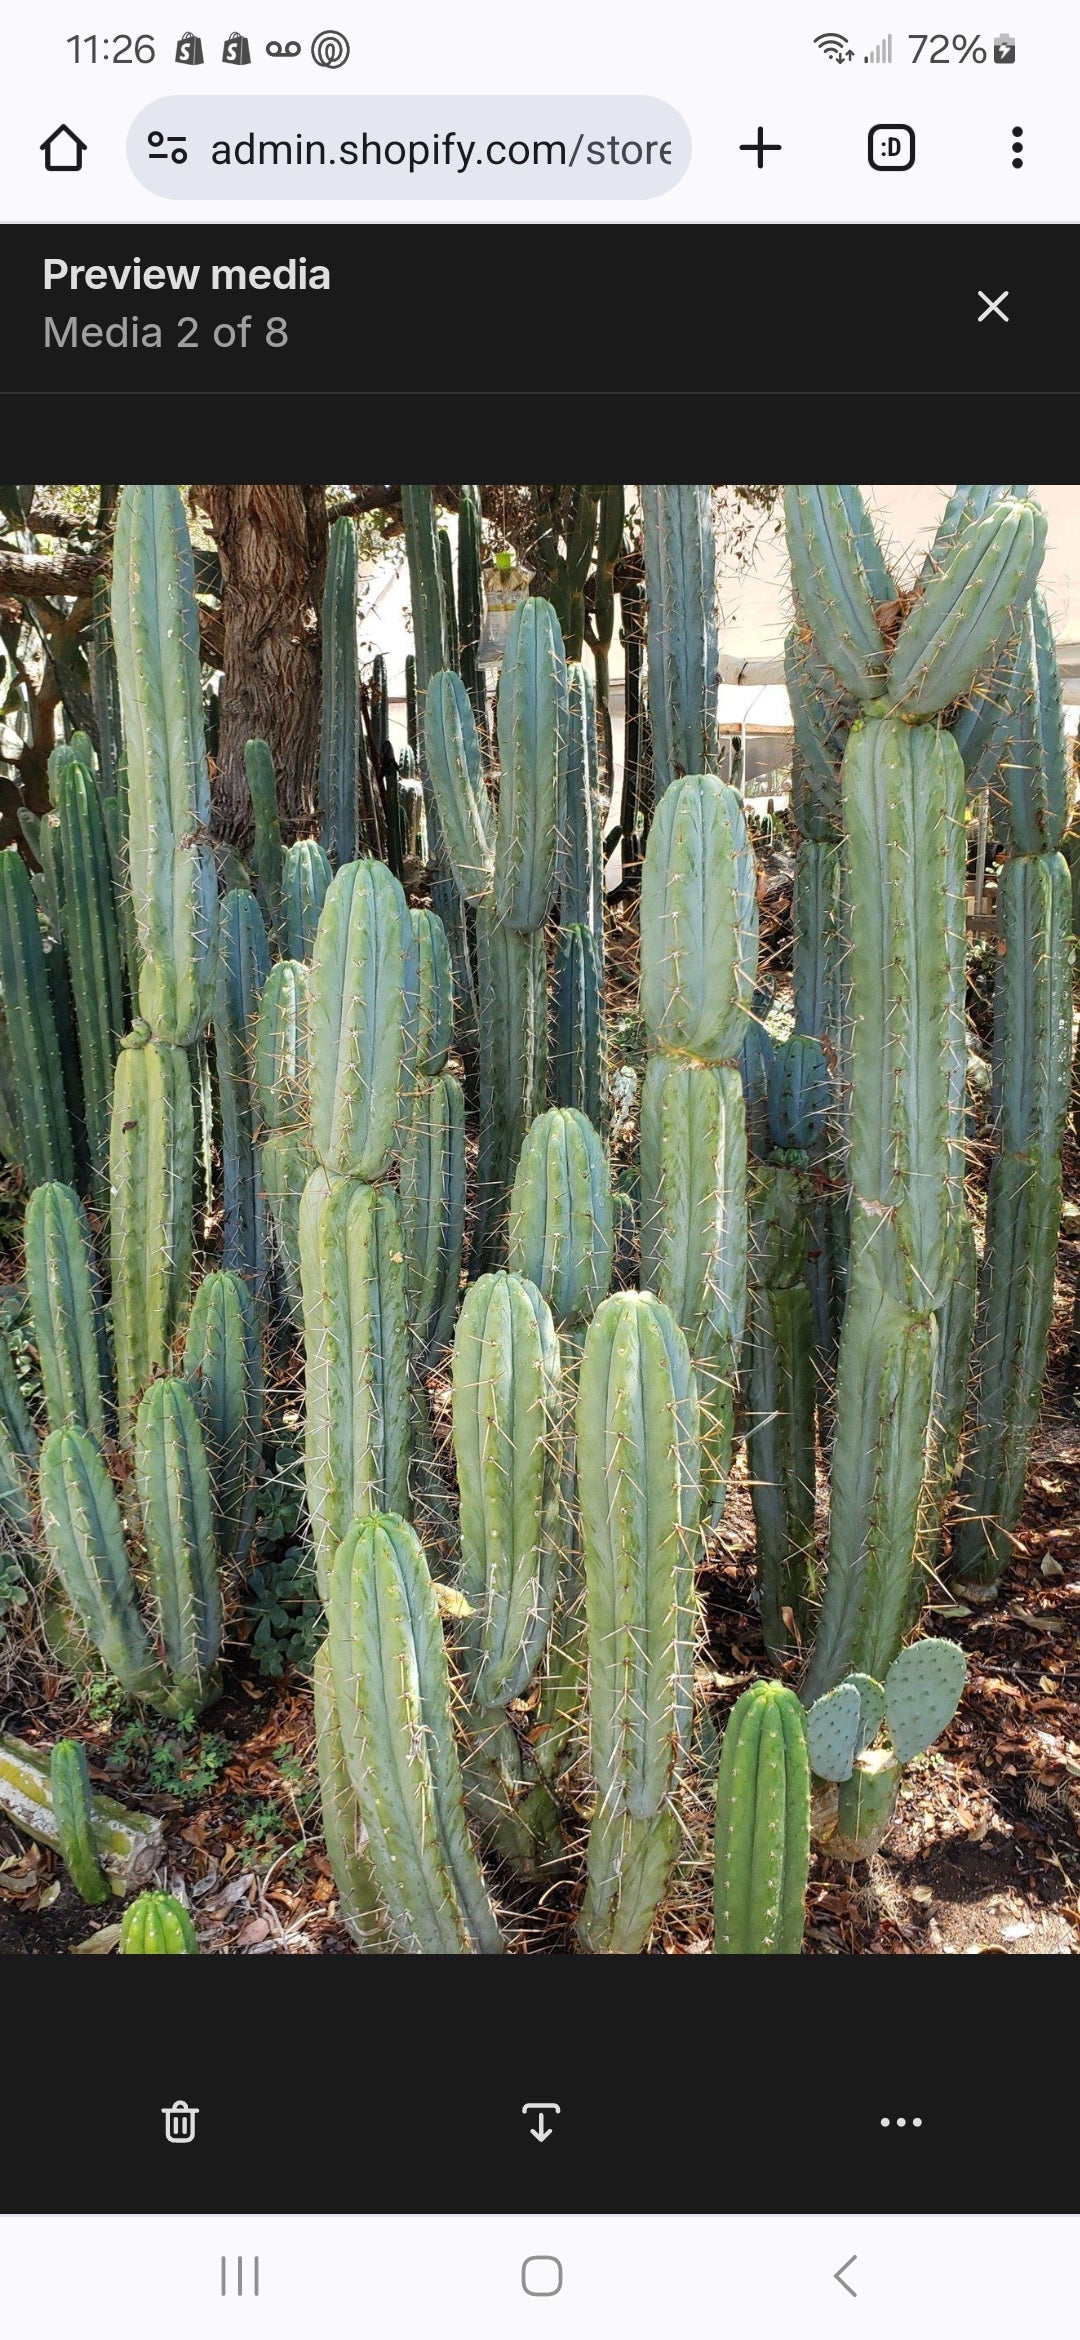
x=63 y=149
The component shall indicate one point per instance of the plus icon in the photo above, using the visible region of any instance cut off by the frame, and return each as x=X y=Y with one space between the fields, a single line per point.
x=761 y=148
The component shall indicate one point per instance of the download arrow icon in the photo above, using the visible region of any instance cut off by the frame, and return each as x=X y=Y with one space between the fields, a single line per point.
x=542 y=2130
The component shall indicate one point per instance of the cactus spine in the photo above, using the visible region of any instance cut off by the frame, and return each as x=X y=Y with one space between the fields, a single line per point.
x=73 y=1809
x=65 y=1303
x=339 y=754
x=698 y=960
x=1032 y=1032
x=762 y=1844
x=680 y=579
x=392 y=1696
x=638 y=1477
x=92 y=945
x=223 y=1373
x=44 y=1130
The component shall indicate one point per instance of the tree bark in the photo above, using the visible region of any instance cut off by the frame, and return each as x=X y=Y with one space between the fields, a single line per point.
x=271 y=542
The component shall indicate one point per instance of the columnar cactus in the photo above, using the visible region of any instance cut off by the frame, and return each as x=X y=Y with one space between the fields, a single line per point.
x=470 y=596
x=512 y=1017
x=151 y=1162
x=243 y=966
x=340 y=744
x=779 y=1398
x=577 y=1024
x=92 y=946
x=561 y=1216
x=351 y=1250
x=72 y=1803
x=281 y=1076
x=1032 y=1032
x=506 y=1405
x=392 y=1697
x=223 y=1373
x=344 y=1834
x=305 y=883
x=680 y=579
x=84 y=1538
x=762 y=1844
x=431 y=1178
x=639 y=1488
x=65 y=1302
x=173 y=880
x=903 y=809
x=178 y=1518
x=44 y=1130
x=357 y=1440
x=268 y=855
x=698 y=960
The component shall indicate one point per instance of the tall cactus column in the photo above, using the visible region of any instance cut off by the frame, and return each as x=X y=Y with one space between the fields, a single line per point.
x=351 y=1252
x=680 y=580
x=508 y=869
x=1032 y=1030
x=174 y=888
x=903 y=814
x=699 y=940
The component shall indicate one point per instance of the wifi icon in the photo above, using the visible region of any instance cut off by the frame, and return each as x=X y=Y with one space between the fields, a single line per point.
x=834 y=45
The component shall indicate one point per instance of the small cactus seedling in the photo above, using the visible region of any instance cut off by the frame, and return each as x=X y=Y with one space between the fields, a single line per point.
x=916 y=1702
x=157 y=1926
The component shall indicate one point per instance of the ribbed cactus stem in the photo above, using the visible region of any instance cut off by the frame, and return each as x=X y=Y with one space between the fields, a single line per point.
x=65 y=1302
x=680 y=580
x=470 y=596
x=506 y=1404
x=92 y=945
x=177 y=1508
x=512 y=1001
x=344 y=1834
x=44 y=1130
x=762 y=1845
x=73 y=1809
x=223 y=1373
x=638 y=1479
x=84 y=1538
x=357 y=1438
x=339 y=753
x=152 y=1166
x=243 y=966
x=268 y=855
x=532 y=726
x=357 y=1020
x=579 y=1073
x=431 y=1192
x=173 y=880
x=779 y=1401
x=392 y=1695
x=305 y=882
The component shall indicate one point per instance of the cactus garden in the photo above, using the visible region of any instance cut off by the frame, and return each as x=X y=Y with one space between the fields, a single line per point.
x=539 y=1319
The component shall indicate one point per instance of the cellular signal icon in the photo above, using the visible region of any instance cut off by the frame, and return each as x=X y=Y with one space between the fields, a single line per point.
x=834 y=45
x=882 y=55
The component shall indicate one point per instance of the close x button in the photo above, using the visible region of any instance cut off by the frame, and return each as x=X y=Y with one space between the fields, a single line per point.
x=993 y=307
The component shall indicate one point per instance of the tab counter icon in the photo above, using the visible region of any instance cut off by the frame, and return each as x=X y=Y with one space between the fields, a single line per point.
x=180 y=2121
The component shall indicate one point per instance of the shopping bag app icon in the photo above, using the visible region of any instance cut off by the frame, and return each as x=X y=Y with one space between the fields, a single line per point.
x=189 y=49
x=236 y=50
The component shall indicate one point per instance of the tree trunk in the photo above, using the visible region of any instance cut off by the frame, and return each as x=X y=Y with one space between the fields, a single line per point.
x=271 y=542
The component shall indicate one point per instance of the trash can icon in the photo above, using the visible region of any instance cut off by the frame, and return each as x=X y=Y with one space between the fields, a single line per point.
x=237 y=50
x=189 y=49
x=179 y=2121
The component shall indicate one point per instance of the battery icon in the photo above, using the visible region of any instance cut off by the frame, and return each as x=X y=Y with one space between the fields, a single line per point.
x=1004 y=49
